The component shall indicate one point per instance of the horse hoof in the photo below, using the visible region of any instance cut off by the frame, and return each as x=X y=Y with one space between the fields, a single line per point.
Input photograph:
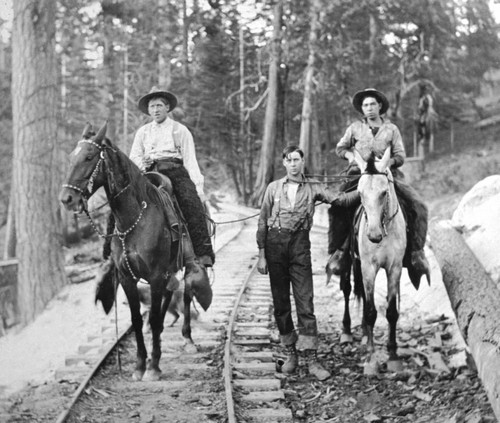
x=346 y=339
x=137 y=376
x=394 y=366
x=364 y=340
x=371 y=368
x=152 y=375
x=190 y=348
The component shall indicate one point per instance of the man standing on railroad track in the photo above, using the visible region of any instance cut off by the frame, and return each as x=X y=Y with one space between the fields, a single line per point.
x=285 y=251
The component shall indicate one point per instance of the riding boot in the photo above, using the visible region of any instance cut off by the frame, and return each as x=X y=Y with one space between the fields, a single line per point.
x=419 y=267
x=338 y=260
x=292 y=360
x=195 y=277
x=315 y=367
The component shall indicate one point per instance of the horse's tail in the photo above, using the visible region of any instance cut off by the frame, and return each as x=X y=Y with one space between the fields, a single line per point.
x=105 y=289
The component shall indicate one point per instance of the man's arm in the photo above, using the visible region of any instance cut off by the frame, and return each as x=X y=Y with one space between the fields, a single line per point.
x=265 y=213
x=398 y=154
x=344 y=146
x=189 y=157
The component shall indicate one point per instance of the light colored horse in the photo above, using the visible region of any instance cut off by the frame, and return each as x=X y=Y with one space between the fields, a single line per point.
x=381 y=245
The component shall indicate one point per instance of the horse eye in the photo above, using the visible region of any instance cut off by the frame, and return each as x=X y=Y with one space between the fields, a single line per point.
x=89 y=158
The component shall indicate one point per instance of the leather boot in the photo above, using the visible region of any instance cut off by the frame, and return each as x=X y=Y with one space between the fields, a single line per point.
x=420 y=266
x=292 y=360
x=336 y=263
x=315 y=367
x=196 y=281
x=206 y=260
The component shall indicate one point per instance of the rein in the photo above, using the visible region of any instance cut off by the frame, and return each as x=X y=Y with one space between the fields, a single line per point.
x=385 y=221
x=120 y=234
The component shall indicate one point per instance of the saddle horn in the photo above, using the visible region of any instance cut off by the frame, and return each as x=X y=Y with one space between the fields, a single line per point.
x=102 y=133
x=87 y=131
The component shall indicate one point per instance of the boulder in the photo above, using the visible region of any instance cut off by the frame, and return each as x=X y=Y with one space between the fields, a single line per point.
x=477 y=217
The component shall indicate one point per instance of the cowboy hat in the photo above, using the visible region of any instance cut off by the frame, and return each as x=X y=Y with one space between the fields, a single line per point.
x=155 y=93
x=358 y=98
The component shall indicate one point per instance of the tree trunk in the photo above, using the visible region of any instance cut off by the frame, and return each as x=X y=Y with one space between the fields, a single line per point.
x=36 y=176
x=306 y=140
x=10 y=232
x=111 y=70
x=185 y=40
x=266 y=165
x=475 y=300
x=373 y=47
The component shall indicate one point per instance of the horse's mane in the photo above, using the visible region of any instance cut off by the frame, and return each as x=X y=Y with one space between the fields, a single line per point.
x=129 y=173
x=370 y=165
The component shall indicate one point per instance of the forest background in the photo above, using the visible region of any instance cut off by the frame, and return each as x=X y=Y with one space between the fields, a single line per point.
x=251 y=76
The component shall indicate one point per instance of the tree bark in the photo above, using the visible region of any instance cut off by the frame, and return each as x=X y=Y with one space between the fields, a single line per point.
x=266 y=164
x=10 y=232
x=36 y=176
x=306 y=139
x=475 y=300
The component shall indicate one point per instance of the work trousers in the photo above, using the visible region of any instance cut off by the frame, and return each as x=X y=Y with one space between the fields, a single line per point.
x=191 y=206
x=288 y=256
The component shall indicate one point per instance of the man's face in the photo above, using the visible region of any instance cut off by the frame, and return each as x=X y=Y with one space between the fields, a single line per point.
x=294 y=164
x=158 y=109
x=370 y=107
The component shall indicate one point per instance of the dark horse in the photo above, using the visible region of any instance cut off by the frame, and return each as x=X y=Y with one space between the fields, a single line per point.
x=380 y=243
x=142 y=245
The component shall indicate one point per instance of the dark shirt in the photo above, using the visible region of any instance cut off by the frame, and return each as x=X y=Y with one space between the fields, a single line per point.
x=277 y=211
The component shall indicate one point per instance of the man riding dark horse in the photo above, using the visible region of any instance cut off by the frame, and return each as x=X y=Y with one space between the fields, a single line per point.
x=166 y=146
x=374 y=134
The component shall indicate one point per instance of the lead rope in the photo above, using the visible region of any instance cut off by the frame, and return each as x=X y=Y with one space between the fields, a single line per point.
x=118 y=356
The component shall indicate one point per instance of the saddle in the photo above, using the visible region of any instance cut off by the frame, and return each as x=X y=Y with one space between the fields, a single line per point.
x=170 y=206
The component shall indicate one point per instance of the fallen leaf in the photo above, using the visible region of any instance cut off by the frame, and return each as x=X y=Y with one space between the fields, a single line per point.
x=436 y=362
x=372 y=418
x=422 y=396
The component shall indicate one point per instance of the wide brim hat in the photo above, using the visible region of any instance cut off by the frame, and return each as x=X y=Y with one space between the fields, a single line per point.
x=155 y=93
x=358 y=98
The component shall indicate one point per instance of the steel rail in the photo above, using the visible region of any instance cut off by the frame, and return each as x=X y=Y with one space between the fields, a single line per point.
x=62 y=417
x=231 y=416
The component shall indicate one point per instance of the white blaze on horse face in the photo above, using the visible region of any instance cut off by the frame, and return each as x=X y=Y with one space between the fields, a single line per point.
x=373 y=190
x=76 y=151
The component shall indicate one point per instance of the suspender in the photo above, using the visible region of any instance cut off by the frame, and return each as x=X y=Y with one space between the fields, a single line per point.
x=307 y=216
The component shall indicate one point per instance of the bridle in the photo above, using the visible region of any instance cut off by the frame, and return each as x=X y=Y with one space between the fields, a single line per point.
x=93 y=175
x=384 y=220
x=87 y=193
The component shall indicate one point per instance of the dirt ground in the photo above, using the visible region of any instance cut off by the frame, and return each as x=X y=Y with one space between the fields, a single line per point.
x=439 y=383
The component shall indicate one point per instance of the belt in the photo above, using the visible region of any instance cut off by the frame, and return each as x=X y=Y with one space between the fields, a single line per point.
x=174 y=160
x=287 y=231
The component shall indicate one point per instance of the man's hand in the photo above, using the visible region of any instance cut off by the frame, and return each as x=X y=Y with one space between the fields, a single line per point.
x=349 y=155
x=262 y=266
x=147 y=161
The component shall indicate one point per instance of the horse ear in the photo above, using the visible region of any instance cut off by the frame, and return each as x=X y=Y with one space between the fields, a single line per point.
x=359 y=160
x=87 y=131
x=383 y=163
x=102 y=133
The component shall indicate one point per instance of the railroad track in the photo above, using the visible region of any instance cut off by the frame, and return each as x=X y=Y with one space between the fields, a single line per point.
x=232 y=377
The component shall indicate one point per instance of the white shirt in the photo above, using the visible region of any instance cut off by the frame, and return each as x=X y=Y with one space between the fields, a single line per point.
x=168 y=139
